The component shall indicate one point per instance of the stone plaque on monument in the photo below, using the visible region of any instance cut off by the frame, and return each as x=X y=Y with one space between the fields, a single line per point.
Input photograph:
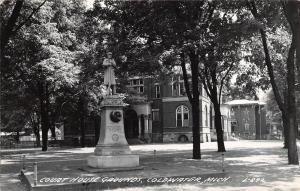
x=112 y=150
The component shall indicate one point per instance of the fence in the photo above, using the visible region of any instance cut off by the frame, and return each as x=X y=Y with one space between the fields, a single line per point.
x=12 y=144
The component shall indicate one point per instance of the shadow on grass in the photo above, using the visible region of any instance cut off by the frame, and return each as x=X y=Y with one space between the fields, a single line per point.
x=269 y=163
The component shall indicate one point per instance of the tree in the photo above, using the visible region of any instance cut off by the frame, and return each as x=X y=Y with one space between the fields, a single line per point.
x=156 y=27
x=250 y=78
x=10 y=27
x=290 y=139
x=292 y=12
x=273 y=113
x=167 y=30
x=43 y=56
x=219 y=56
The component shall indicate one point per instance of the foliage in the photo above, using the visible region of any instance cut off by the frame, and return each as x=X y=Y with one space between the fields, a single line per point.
x=174 y=34
x=252 y=74
x=273 y=112
x=47 y=53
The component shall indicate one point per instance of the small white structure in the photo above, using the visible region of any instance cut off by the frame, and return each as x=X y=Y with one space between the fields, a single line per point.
x=226 y=121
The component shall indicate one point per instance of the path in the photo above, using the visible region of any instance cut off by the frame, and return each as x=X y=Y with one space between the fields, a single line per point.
x=265 y=160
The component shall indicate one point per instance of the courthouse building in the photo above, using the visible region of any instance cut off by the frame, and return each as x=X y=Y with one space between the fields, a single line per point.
x=160 y=111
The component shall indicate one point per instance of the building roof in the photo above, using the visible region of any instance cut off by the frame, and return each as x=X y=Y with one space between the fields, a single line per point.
x=244 y=102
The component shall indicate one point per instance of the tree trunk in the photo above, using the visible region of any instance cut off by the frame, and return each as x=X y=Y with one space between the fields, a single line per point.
x=219 y=128
x=7 y=30
x=298 y=74
x=1 y=51
x=291 y=10
x=298 y=60
x=196 y=129
x=81 y=106
x=193 y=96
x=298 y=86
x=218 y=116
x=298 y=69
x=285 y=130
x=285 y=122
x=52 y=129
x=11 y=26
x=195 y=106
x=292 y=128
x=291 y=107
x=36 y=131
x=48 y=110
x=297 y=41
x=44 y=139
x=44 y=125
x=37 y=138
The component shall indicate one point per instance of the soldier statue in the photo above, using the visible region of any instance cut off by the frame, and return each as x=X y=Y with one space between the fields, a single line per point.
x=109 y=74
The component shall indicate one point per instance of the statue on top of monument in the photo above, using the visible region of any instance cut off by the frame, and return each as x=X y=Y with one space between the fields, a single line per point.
x=109 y=74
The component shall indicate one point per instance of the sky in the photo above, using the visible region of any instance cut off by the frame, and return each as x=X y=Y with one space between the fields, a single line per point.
x=89 y=3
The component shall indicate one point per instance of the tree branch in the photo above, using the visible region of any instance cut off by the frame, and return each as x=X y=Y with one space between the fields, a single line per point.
x=223 y=79
x=185 y=77
x=204 y=84
x=7 y=30
x=29 y=17
x=211 y=9
x=251 y=5
x=207 y=78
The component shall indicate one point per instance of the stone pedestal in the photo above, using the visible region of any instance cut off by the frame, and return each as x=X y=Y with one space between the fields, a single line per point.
x=112 y=150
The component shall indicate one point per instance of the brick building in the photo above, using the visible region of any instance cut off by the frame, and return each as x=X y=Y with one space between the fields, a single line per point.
x=161 y=111
x=248 y=119
x=158 y=111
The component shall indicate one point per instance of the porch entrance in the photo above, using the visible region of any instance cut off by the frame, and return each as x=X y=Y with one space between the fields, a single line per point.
x=131 y=124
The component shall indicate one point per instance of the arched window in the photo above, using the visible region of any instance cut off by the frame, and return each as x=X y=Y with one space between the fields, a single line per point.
x=182 y=116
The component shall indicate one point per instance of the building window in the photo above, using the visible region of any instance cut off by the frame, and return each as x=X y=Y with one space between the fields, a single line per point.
x=137 y=85
x=232 y=113
x=210 y=118
x=157 y=91
x=246 y=126
x=141 y=89
x=134 y=82
x=174 y=89
x=182 y=116
x=155 y=115
x=233 y=126
x=247 y=116
x=206 y=116
x=181 y=89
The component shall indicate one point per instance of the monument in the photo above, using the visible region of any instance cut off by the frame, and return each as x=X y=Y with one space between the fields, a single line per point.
x=112 y=150
x=109 y=73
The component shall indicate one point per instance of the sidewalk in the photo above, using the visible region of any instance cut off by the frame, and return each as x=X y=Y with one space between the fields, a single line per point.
x=248 y=164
